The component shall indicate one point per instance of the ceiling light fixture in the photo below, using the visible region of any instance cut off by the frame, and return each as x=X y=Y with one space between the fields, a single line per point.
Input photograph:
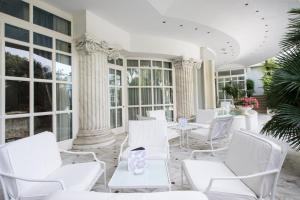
x=196 y=29
x=262 y=18
x=181 y=25
x=257 y=11
x=227 y=42
x=208 y=32
x=163 y=22
x=266 y=25
x=246 y=4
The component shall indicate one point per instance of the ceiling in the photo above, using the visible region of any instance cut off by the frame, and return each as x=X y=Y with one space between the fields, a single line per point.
x=242 y=32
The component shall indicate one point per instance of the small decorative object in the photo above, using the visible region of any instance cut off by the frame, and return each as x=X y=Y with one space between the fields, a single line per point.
x=247 y=103
x=182 y=121
x=137 y=160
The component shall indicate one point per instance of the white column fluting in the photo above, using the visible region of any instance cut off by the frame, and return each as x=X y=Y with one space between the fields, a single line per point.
x=94 y=119
x=185 y=100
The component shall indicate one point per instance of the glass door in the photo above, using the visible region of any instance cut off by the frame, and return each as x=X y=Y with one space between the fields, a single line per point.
x=116 y=90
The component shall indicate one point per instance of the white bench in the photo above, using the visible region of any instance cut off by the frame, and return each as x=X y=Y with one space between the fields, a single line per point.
x=31 y=168
x=176 y=195
x=250 y=170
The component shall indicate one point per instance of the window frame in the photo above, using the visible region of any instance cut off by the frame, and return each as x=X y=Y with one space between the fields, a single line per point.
x=28 y=25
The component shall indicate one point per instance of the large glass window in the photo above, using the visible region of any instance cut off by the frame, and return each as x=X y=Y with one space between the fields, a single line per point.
x=150 y=87
x=15 y=8
x=51 y=21
x=36 y=77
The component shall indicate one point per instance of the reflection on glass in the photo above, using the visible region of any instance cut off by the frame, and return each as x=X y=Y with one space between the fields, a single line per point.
x=132 y=63
x=16 y=60
x=146 y=96
x=118 y=78
x=145 y=63
x=112 y=93
x=168 y=65
x=157 y=63
x=133 y=96
x=42 y=123
x=111 y=61
x=119 y=96
x=168 y=77
x=42 y=61
x=158 y=107
x=132 y=113
x=16 y=129
x=158 y=96
x=42 y=97
x=42 y=40
x=63 y=96
x=64 y=127
x=19 y=9
x=145 y=77
x=168 y=95
x=112 y=77
x=157 y=77
x=63 y=67
x=133 y=77
x=16 y=33
x=112 y=118
x=119 y=117
x=63 y=46
x=16 y=97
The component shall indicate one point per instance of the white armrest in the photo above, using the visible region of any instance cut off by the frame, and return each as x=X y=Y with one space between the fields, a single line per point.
x=207 y=151
x=60 y=182
x=85 y=153
x=121 y=148
x=240 y=177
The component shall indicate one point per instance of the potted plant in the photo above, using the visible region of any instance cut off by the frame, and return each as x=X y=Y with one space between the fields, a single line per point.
x=247 y=103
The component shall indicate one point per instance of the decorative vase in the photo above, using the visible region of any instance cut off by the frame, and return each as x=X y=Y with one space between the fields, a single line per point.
x=137 y=160
x=244 y=109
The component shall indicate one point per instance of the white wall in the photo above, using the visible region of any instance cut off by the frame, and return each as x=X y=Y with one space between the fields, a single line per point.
x=256 y=74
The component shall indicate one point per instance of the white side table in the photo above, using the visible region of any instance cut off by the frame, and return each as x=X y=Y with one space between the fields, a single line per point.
x=184 y=131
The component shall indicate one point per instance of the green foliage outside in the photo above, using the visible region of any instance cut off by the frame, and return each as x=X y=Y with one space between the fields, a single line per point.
x=284 y=93
x=269 y=67
x=233 y=89
x=250 y=87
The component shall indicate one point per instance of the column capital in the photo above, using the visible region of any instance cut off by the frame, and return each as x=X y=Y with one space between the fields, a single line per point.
x=88 y=45
x=180 y=62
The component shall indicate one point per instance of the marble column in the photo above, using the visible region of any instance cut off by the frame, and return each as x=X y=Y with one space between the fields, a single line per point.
x=209 y=84
x=185 y=100
x=94 y=119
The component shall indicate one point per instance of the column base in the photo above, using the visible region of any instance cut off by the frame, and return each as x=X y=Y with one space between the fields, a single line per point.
x=92 y=139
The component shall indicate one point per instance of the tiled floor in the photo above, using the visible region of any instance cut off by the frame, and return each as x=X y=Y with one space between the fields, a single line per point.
x=288 y=185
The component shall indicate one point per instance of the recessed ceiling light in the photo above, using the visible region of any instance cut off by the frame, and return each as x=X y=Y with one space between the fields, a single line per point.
x=257 y=11
x=266 y=31
x=266 y=25
x=196 y=29
x=181 y=25
x=227 y=42
x=163 y=22
x=246 y=4
x=208 y=32
x=262 y=18
x=230 y=46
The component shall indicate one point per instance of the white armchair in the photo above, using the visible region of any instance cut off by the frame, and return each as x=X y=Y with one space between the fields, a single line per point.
x=160 y=115
x=151 y=134
x=204 y=117
x=219 y=129
x=250 y=170
x=31 y=168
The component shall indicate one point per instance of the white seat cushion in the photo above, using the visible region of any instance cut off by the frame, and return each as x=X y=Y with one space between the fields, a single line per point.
x=176 y=195
x=76 y=177
x=152 y=153
x=200 y=173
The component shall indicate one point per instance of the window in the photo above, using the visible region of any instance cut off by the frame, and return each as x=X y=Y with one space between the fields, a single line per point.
x=16 y=33
x=150 y=87
x=37 y=79
x=19 y=9
x=51 y=21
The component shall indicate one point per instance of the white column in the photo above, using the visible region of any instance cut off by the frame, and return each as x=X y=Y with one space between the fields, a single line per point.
x=94 y=118
x=185 y=100
x=209 y=84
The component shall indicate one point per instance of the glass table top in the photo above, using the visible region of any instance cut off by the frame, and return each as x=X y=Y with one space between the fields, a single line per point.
x=155 y=176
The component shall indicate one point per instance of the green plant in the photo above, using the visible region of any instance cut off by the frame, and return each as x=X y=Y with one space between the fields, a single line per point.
x=284 y=95
x=250 y=87
x=232 y=89
x=269 y=67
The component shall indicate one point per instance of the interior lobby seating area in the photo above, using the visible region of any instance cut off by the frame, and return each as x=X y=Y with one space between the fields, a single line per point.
x=149 y=99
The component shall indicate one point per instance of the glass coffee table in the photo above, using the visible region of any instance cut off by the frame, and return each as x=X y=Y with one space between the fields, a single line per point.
x=156 y=175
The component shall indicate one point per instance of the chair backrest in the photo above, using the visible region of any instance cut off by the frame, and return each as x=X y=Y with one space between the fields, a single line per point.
x=147 y=133
x=252 y=153
x=220 y=127
x=33 y=157
x=205 y=116
x=225 y=104
x=157 y=114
